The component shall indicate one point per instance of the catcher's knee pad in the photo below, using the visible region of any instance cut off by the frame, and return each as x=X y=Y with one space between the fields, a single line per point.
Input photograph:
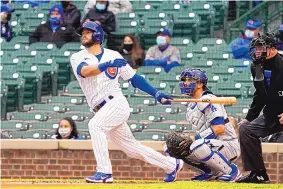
x=215 y=160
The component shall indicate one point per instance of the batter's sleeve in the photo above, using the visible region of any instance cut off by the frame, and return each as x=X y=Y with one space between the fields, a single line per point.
x=77 y=63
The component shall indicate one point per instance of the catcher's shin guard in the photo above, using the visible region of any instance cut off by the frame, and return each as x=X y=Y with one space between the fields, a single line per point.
x=215 y=160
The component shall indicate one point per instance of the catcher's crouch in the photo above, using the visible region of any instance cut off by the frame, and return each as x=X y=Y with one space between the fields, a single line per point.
x=215 y=145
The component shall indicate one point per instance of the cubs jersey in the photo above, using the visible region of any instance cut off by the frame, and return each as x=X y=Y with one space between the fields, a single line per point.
x=97 y=88
x=200 y=115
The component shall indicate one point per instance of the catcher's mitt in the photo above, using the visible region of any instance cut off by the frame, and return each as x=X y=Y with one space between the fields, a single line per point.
x=178 y=145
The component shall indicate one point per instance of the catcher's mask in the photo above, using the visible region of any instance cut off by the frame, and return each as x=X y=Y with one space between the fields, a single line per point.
x=192 y=76
x=259 y=46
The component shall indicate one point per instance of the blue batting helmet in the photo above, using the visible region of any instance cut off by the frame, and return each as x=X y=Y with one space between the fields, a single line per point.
x=98 y=33
x=195 y=74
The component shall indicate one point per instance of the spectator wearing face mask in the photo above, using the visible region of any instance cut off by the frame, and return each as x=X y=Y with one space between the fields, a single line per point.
x=163 y=54
x=240 y=46
x=6 y=29
x=54 y=30
x=115 y=6
x=67 y=129
x=102 y=16
x=132 y=51
x=72 y=15
x=279 y=39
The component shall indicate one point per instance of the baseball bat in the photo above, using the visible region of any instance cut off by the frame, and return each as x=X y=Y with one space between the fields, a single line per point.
x=216 y=100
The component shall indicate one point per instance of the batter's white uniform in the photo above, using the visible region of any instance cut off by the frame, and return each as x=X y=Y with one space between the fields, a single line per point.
x=111 y=120
x=199 y=115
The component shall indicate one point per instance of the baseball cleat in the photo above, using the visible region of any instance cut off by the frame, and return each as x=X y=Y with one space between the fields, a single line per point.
x=202 y=177
x=171 y=177
x=99 y=177
x=253 y=177
x=233 y=176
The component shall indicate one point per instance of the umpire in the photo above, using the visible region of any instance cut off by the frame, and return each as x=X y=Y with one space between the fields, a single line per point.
x=267 y=72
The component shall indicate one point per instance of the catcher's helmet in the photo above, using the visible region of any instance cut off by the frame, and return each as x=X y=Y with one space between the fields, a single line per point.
x=262 y=42
x=98 y=33
x=192 y=73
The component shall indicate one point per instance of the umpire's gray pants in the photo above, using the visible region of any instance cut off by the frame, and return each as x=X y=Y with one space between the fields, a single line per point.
x=250 y=144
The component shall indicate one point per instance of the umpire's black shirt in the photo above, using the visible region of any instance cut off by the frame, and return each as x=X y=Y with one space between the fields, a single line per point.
x=269 y=92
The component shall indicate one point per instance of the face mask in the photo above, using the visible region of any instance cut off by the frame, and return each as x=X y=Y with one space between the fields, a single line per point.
x=249 y=33
x=55 y=20
x=64 y=132
x=100 y=7
x=128 y=47
x=160 y=40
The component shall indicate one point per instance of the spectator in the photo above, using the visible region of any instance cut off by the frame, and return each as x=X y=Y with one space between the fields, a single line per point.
x=240 y=46
x=54 y=30
x=102 y=16
x=163 y=54
x=72 y=15
x=67 y=129
x=279 y=39
x=115 y=6
x=132 y=51
x=6 y=29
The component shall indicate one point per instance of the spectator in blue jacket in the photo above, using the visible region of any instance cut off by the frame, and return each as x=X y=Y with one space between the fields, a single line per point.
x=163 y=54
x=279 y=39
x=67 y=129
x=240 y=46
x=6 y=29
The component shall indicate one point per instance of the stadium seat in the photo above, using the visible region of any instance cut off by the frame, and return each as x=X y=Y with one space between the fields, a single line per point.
x=14 y=125
x=163 y=126
x=30 y=135
x=73 y=88
x=4 y=96
x=48 y=108
x=29 y=116
x=48 y=125
x=77 y=108
x=66 y=100
x=149 y=136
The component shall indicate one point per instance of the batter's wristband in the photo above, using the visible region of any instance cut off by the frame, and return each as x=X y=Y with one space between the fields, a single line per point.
x=102 y=67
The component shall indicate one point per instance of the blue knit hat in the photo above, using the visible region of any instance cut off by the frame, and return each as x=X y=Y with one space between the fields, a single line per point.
x=57 y=8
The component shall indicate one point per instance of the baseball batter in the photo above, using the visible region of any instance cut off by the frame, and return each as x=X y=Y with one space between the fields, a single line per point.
x=97 y=70
x=215 y=144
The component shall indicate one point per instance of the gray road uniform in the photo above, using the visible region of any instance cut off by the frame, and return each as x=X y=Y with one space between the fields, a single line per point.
x=211 y=154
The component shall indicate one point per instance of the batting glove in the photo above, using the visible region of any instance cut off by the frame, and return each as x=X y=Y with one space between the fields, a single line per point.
x=159 y=96
x=119 y=62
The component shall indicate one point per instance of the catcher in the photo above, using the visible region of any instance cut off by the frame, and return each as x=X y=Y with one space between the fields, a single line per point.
x=216 y=144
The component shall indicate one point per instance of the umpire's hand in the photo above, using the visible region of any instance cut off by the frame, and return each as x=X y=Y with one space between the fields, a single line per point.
x=281 y=119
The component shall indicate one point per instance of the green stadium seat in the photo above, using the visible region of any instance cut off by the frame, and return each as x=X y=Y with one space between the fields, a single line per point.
x=136 y=127
x=78 y=108
x=150 y=101
x=48 y=108
x=149 y=136
x=14 y=125
x=67 y=100
x=147 y=117
x=43 y=47
x=77 y=116
x=30 y=135
x=4 y=96
x=29 y=116
x=180 y=41
x=16 y=87
x=186 y=24
x=48 y=125
x=73 y=88
x=163 y=126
